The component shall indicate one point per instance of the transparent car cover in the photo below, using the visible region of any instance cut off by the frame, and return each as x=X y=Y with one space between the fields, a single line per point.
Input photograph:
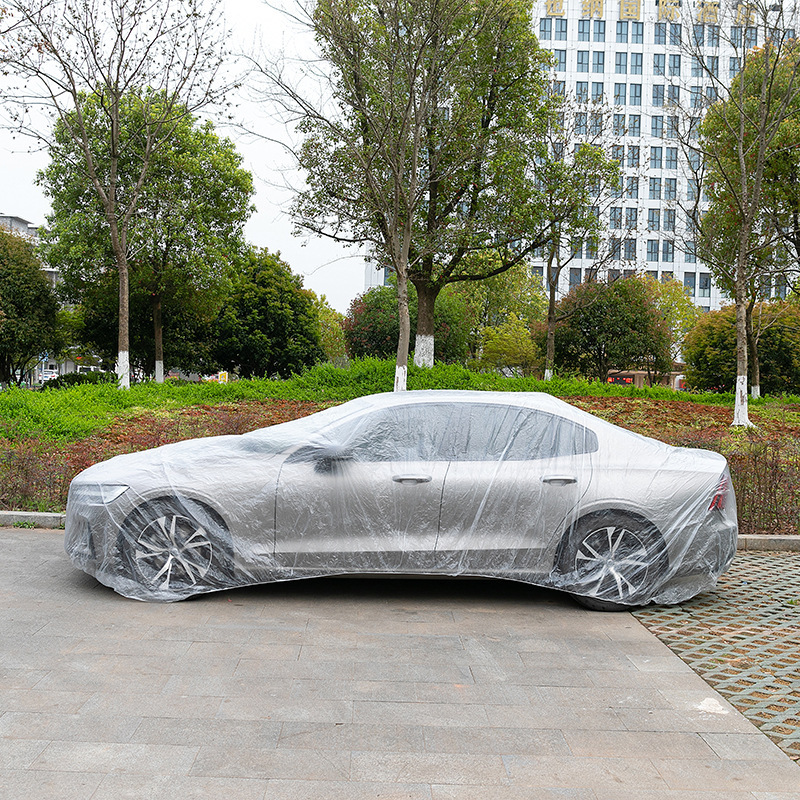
x=521 y=486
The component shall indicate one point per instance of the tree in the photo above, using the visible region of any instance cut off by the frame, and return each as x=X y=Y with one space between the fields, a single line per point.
x=710 y=348
x=612 y=327
x=27 y=309
x=68 y=55
x=181 y=243
x=509 y=346
x=750 y=124
x=371 y=324
x=436 y=111
x=331 y=333
x=269 y=325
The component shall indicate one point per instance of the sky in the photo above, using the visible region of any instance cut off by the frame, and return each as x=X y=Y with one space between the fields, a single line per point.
x=326 y=267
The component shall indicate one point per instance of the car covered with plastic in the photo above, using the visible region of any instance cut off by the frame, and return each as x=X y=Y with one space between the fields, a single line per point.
x=521 y=486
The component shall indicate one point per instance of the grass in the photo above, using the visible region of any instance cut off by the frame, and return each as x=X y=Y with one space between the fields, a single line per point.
x=47 y=437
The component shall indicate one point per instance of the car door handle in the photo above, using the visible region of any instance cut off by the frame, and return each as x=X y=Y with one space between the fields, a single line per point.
x=559 y=480
x=408 y=479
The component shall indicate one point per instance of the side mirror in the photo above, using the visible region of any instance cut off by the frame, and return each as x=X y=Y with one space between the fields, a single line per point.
x=325 y=457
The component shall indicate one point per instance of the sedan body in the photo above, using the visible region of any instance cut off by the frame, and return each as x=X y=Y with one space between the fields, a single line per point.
x=512 y=485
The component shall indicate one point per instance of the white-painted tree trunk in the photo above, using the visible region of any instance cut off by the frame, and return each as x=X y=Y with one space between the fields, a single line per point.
x=123 y=370
x=740 y=416
x=755 y=391
x=423 y=350
x=548 y=374
x=400 y=378
x=159 y=372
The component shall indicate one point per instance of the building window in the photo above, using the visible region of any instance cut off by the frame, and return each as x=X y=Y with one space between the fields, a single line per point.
x=596 y=122
x=705 y=284
x=635 y=94
x=675 y=34
x=559 y=88
x=620 y=93
x=652 y=249
x=599 y=30
x=621 y=64
x=712 y=63
x=668 y=251
x=652 y=274
x=580 y=123
x=584 y=26
x=674 y=95
x=576 y=248
x=619 y=124
x=655 y=188
x=713 y=35
x=671 y=161
x=574 y=276
x=657 y=127
x=696 y=100
x=666 y=277
x=736 y=36
x=615 y=218
x=698 y=33
x=583 y=60
x=658 y=94
x=636 y=63
x=631 y=218
x=669 y=219
x=545 y=28
x=670 y=188
x=632 y=188
x=659 y=64
x=672 y=127
x=561 y=60
x=633 y=155
x=660 y=33
x=711 y=95
x=655 y=158
x=582 y=91
x=598 y=61
x=634 y=120
x=622 y=32
x=618 y=153
x=613 y=274
x=637 y=32
x=691 y=253
x=697 y=67
x=561 y=30
x=597 y=92
x=750 y=38
x=691 y=189
x=675 y=65
x=688 y=282
x=616 y=250
x=630 y=250
x=653 y=219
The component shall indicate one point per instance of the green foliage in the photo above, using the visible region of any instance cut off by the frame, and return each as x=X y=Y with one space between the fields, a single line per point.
x=613 y=326
x=78 y=379
x=27 y=309
x=509 y=346
x=331 y=333
x=371 y=326
x=269 y=325
x=181 y=244
x=710 y=349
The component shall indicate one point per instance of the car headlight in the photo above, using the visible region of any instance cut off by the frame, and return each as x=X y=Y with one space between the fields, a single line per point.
x=97 y=494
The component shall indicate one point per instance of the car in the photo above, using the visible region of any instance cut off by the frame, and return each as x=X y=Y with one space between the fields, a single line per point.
x=514 y=485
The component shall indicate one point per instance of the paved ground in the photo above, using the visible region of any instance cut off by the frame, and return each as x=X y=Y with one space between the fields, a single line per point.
x=337 y=689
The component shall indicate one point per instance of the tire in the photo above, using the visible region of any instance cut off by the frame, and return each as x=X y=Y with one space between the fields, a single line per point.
x=175 y=548
x=612 y=561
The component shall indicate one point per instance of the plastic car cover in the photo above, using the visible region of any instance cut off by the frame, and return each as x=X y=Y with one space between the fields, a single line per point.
x=511 y=485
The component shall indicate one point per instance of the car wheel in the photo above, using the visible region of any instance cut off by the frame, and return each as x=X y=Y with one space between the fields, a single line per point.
x=612 y=561
x=176 y=547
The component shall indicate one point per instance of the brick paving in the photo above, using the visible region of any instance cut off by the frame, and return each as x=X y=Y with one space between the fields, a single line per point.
x=744 y=640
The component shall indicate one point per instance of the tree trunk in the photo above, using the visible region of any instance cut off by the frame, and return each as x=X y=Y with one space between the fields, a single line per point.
x=752 y=353
x=423 y=344
x=550 y=347
x=158 y=336
x=740 y=417
x=123 y=341
x=401 y=367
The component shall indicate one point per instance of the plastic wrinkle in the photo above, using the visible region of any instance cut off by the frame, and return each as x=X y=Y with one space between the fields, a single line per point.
x=521 y=486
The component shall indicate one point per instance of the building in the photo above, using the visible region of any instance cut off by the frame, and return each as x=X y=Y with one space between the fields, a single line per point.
x=654 y=65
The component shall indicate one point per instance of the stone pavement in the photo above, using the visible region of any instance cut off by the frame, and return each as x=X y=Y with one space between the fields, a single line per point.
x=349 y=689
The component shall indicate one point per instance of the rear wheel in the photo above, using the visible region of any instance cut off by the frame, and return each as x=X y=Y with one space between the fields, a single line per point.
x=176 y=547
x=611 y=561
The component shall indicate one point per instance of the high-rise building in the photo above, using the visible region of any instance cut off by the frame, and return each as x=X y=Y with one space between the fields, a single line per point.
x=653 y=66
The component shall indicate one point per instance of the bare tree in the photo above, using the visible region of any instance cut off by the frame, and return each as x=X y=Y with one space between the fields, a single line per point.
x=751 y=100
x=65 y=56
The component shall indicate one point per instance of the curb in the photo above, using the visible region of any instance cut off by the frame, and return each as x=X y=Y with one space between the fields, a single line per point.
x=750 y=541
x=36 y=519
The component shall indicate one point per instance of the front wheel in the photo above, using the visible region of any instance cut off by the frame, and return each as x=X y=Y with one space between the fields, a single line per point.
x=175 y=548
x=612 y=561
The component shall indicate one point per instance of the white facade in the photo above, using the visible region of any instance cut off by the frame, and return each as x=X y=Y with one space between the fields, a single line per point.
x=655 y=64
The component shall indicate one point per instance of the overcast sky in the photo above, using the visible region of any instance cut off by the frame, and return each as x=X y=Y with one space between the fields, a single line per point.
x=326 y=267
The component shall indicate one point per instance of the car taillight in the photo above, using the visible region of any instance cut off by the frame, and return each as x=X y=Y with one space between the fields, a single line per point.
x=720 y=493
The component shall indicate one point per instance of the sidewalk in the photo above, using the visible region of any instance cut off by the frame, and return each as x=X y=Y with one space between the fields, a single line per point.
x=329 y=689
